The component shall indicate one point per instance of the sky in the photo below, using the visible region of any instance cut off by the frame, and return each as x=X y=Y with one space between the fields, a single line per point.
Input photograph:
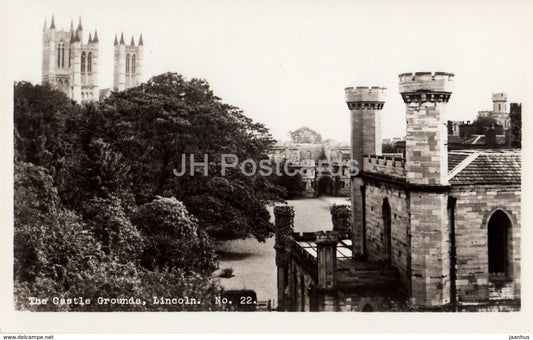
x=286 y=63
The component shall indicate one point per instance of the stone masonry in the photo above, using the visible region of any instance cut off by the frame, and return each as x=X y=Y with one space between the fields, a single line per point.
x=365 y=105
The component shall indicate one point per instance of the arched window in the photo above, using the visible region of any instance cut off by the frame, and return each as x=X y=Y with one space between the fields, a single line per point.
x=69 y=51
x=498 y=245
x=83 y=58
x=89 y=62
x=133 y=63
x=387 y=235
x=128 y=60
x=61 y=55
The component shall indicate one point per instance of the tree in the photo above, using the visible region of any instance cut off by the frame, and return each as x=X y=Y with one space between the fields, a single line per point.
x=294 y=186
x=128 y=146
x=305 y=135
x=74 y=204
x=172 y=238
x=57 y=254
x=481 y=124
x=153 y=125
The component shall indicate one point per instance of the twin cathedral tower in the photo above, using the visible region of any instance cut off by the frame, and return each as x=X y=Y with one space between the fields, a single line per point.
x=72 y=66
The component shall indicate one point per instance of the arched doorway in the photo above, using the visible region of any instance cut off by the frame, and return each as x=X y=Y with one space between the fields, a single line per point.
x=325 y=186
x=498 y=230
x=387 y=235
x=368 y=308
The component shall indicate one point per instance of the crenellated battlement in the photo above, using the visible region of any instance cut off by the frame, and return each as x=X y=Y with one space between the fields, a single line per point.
x=438 y=84
x=365 y=94
x=499 y=97
x=391 y=165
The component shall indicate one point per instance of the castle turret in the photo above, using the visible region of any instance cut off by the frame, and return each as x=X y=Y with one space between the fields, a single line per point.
x=499 y=102
x=425 y=95
x=426 y=166
x=365 y=105
x=499 y=111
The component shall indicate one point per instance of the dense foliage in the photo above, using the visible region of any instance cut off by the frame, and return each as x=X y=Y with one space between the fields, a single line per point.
x=98 y=209
x=341 y=217
x=294 y=186
x=481 y=124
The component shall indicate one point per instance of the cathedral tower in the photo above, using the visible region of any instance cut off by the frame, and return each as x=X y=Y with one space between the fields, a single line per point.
x=128 y=61
x=70 y=65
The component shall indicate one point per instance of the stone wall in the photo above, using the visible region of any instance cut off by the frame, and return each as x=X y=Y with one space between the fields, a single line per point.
x=474 y=207
x=375 y=193
x=301 y=286
x=430 y=248
x=387 y=165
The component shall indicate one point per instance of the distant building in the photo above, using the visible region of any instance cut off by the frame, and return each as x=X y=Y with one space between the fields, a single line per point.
x=72 y=66
x=432 y=230
x=463 y=135
x=318 y=159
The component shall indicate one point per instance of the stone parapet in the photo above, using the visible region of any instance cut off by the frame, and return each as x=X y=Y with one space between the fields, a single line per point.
x=364 y=97
x=386 y=164
x=426 y=87
x=499 y=97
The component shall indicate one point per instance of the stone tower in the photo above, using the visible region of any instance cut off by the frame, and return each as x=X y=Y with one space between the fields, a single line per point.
x=69 y=64
x=426 y=166
x=128 y=63
x=365 y=105
x=499 y=111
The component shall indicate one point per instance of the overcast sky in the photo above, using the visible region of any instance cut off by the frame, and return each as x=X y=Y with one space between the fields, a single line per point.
x=286 y=63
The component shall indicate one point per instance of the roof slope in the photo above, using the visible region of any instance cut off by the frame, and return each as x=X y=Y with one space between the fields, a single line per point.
x=484 y=167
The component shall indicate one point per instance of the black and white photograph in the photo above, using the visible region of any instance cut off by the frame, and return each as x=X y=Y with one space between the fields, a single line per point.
x=240 y=160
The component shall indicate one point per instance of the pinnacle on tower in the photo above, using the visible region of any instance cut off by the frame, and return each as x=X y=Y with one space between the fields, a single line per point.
x=122 y=38
x=95 y=39
x=132 y=42
x=116 y=41
x=77 y=36
x=44 y=27
x=80 y=27
x=140 y=40
x=71 y=25
x=53 y=25
x=90 y=38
